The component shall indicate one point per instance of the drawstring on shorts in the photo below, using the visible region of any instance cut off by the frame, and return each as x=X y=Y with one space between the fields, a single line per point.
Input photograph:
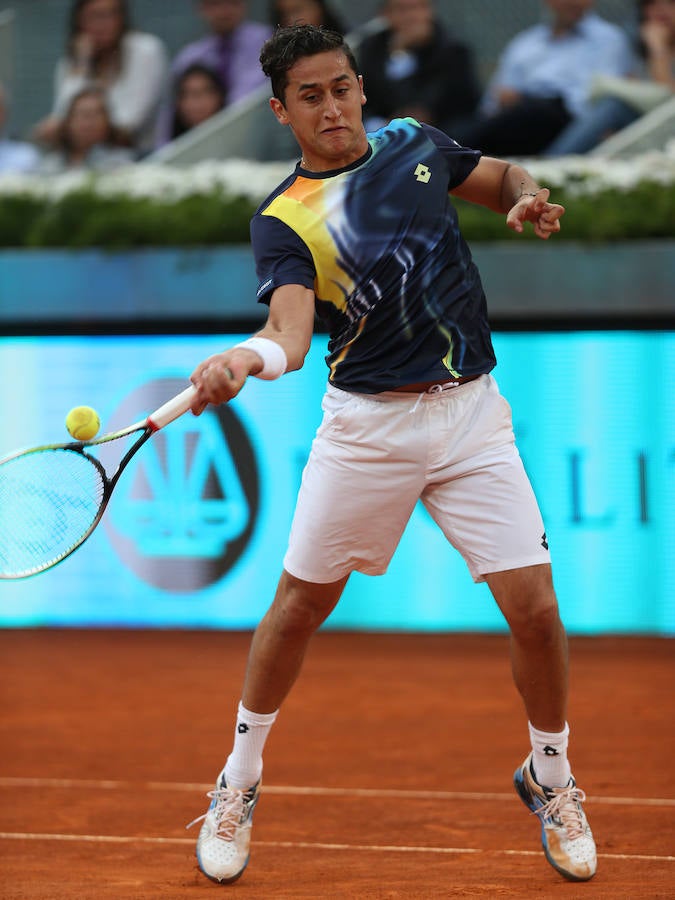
x=434 y=389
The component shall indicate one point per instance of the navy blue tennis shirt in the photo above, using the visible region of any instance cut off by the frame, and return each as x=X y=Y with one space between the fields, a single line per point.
x=379 y=244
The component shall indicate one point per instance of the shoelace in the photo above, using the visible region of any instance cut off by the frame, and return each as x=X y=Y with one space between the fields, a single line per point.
x=227 y=812
x=564 y=805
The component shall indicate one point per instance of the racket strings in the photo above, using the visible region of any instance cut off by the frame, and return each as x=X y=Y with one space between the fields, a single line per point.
x=49 y=500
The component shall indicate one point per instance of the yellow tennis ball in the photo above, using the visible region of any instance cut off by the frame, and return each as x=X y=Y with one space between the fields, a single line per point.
x=83 y=423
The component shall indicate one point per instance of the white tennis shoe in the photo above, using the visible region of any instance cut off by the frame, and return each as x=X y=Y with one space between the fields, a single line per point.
x=225 y=836
x=565 y=833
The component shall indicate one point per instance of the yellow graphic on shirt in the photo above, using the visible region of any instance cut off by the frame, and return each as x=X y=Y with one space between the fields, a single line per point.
x=305 y=207
x=345 y=350
x=447 y=359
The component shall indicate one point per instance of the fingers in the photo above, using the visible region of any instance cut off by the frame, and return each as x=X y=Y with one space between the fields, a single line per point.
x=544 y=216
x=544 y=227
x=516 y=217
x=548 y=222
x=540 y=199
x=215 y=382
x=198 y=407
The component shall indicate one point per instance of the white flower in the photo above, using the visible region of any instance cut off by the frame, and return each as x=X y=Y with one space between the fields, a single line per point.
x=577 y=175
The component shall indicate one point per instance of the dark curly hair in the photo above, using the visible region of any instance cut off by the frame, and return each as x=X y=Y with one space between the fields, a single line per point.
x=294 y=42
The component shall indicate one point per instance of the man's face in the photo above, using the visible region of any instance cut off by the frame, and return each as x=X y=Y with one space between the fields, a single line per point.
x=567 y=13
x=223 y=16
x=323 y=105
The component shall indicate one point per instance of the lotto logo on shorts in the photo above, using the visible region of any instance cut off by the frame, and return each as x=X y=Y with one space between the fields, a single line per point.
x=186 y=508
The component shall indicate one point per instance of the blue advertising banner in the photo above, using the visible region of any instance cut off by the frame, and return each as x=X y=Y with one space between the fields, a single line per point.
x=196 y=530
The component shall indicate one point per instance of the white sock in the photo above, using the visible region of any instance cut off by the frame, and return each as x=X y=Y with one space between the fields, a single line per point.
x=549 y=758
x=244 y=765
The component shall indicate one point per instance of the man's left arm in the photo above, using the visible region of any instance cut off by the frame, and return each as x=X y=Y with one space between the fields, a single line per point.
x=508 y=188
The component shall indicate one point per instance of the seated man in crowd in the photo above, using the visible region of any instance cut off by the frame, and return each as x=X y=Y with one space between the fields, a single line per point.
x=543 y=79
x=617 y=102
x=415 y=68
x=231 y=50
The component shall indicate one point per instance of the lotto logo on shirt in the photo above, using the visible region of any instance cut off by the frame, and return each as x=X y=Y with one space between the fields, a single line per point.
x=185 y=509
x=422 y=173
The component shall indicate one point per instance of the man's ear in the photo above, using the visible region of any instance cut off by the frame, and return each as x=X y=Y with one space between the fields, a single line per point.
x=279 y=110
x=363 y=96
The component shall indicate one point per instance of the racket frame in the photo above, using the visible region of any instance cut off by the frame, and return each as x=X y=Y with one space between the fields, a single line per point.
x=162 y=416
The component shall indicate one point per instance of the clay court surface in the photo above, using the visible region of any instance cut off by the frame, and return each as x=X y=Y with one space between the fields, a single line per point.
x=388 y=773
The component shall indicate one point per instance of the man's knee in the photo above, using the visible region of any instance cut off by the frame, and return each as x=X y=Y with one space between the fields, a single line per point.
x=538 y=623
x=527 y=599
x=302 y=606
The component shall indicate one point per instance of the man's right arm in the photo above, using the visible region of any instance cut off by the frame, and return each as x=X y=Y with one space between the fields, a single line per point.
x=290 y=324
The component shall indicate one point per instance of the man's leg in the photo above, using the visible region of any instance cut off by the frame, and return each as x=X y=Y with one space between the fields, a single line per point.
x=275 y=659
x=539 y=662
x=281 y=639
x=538 y=642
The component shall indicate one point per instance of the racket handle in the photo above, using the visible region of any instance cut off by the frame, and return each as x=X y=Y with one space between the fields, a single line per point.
x=172 y=409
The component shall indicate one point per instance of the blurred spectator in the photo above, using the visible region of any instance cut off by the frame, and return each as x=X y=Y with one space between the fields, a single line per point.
x=15 y=156
x=231 y=49
x=415 y=68
x=306 y=12
x=616 y=102
x=657 y=40
x=102 y=49
x=86 y=138
x=198 y=94
x=543 y=79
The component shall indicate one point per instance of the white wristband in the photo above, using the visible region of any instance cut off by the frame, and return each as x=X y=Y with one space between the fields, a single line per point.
x=272 y=354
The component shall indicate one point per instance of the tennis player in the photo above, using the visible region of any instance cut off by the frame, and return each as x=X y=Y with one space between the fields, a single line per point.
x=363 y=233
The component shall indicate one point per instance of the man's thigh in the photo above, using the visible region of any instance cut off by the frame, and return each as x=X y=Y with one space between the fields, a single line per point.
x=359 y=488
x=489 y=513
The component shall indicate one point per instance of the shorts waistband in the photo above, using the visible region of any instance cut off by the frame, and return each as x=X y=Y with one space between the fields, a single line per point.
x=435 y=387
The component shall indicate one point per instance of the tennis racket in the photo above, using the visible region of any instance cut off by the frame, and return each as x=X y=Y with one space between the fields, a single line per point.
x=53 y=497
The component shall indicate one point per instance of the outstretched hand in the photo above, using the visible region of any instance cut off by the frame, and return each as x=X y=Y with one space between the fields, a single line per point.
x=544 y=216
x=220 y=377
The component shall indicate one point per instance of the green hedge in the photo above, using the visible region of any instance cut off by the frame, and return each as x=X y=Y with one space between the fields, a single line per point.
x=83 y=218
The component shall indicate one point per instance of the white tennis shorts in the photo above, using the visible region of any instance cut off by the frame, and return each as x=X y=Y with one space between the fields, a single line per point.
x=375 y=455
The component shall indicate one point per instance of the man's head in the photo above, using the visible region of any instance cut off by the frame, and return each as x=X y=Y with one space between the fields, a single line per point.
x=318 y=94
x=223 y=16
x=289 y=45
x=566 y=13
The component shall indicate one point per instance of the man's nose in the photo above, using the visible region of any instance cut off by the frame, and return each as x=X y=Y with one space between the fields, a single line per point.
x=332 y=108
